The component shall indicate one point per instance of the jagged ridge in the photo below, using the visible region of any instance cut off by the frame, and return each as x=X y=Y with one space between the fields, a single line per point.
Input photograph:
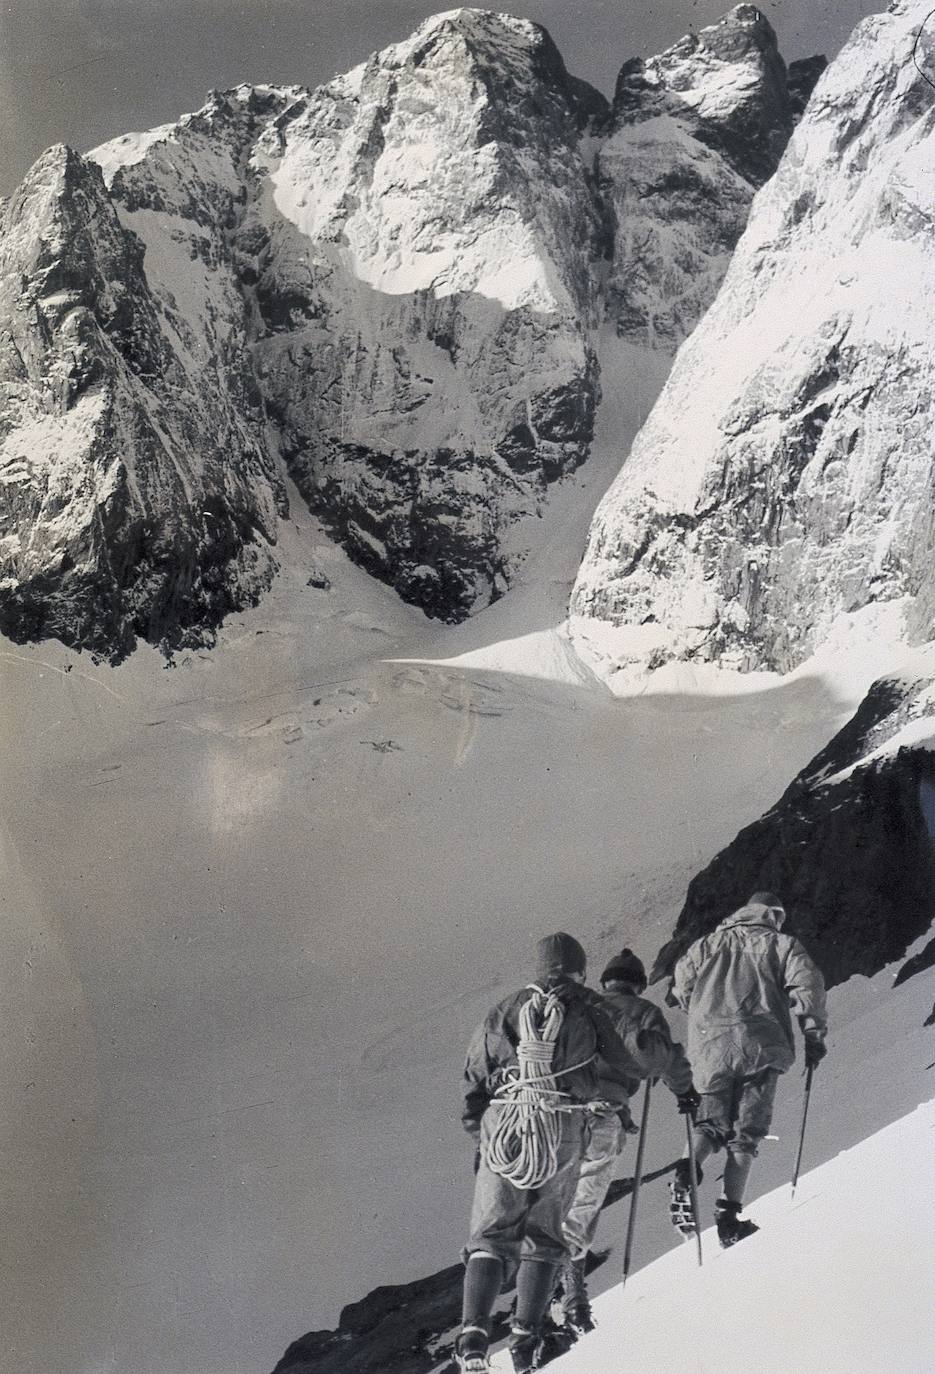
x=397 y=283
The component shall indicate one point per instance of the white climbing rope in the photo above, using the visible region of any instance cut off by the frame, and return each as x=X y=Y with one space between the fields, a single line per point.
x=524 y=1141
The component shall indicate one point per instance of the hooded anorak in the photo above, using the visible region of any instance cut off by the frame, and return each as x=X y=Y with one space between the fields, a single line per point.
x=740 y=986
x=648 y=1041
x=587 y=1033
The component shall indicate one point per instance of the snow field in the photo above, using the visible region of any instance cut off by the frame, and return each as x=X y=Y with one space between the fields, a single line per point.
x=837 y=1280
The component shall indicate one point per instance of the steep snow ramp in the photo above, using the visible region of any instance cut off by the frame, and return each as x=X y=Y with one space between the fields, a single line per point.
x=834 y=1281
x=785 y=475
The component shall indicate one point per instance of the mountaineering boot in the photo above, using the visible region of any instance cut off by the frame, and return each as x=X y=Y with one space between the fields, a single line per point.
x=471 y=1351
x=730 y=1227
x=482 y=1279
x=579 y=1318
x=525 y=1343
x=555 y=1341
x=575 y=1304
x=680 y=1204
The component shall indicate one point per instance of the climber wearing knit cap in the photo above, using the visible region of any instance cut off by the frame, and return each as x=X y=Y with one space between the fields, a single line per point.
x=531 y=1080
x=645 y=1034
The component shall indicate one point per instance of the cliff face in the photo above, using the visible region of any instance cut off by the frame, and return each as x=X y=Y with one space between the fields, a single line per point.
x=124 y=509
x=785 y=475
x=849 y=846
x=394 y=288
x=424 y=238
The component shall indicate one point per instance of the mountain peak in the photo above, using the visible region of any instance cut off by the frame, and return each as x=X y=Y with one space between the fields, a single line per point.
x=60 y=165
x=396 y=284
x=501 y=47
x=729 y=78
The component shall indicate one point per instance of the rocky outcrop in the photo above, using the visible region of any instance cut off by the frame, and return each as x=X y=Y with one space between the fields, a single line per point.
x=693 y=134
x=848 y=847
x=396 y=285
x=410 y=1328
x=124 y=510
x=394 y=1328
x=785 y=475
x=801 y=79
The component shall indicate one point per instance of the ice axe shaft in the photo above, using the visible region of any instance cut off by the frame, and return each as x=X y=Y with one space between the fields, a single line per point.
x=637 y=1180
x=693 y=1182
x=798 y=1158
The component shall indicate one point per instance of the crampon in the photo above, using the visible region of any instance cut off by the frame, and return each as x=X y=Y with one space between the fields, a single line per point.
x=471 y=1353
x=731 y=1227
x=680 y=1201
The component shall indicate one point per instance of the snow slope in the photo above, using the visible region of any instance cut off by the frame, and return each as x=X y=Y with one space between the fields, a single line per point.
x=837 y=1279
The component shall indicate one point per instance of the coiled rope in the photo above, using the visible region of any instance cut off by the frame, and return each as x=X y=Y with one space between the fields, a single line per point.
x=524 y=1140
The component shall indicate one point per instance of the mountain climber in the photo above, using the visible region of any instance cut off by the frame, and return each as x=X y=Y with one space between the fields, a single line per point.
x=531 y=1079
x=740 y=986
x=648 y=1041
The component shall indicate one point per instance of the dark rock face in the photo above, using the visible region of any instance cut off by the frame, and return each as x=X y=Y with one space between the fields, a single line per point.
x=846 y=847
x=393 y=1328
x=803 y=76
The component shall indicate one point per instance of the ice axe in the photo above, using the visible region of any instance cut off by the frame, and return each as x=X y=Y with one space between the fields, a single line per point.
x=637 y=1180
x=693 y=1182
x=798 y=1158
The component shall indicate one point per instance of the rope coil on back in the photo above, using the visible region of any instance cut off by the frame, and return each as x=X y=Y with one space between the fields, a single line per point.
x=523 y=1144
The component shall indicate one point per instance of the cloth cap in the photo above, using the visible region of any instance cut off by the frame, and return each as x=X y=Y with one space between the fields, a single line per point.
x=765 y=899
x=559 y=954
x=625 y=967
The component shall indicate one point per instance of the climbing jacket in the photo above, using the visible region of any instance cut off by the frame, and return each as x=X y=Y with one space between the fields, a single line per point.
x=740 y=986
x=648 y=1041
x=586 y=1031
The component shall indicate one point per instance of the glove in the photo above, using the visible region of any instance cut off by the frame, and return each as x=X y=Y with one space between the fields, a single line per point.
x=815 y=1049
x=629 y=1125
x=688 y=1102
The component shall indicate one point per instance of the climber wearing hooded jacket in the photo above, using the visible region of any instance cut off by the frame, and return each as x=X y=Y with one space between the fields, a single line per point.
x=648 y=1041
x=531 y=1078
x=740 y=986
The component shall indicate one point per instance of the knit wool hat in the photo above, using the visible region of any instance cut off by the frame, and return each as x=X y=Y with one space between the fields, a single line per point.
x=765 y=899
x=625 y=967
x=559 y=954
